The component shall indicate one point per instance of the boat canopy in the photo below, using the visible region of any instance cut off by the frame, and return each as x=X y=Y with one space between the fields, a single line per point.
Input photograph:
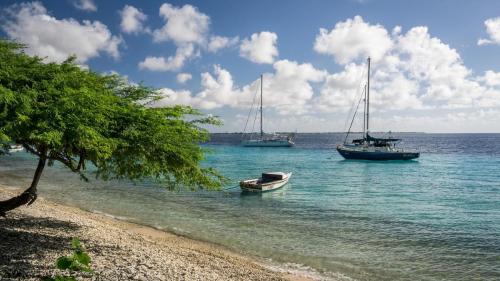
x=370 y=138
x=273 y=176
x=378 y=141
x=358 y=141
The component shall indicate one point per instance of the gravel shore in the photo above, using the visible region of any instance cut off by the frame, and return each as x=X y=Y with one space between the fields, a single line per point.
x=33 y=237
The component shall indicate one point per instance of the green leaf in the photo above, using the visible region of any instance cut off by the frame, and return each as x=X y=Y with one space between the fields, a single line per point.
x=75 y=243
x=82 y=118
x=82 y=257
x=64 y=263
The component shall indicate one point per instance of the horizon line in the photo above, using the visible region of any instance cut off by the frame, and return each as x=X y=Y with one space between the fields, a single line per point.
x=376 y=132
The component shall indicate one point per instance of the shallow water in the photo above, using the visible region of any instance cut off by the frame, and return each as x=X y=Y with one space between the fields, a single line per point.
x=437 y=218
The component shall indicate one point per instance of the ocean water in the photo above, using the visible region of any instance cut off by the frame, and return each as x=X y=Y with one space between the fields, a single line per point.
x=436 y=218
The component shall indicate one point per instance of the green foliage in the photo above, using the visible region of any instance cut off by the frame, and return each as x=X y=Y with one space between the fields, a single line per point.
x=78 y=117
x=79 y=261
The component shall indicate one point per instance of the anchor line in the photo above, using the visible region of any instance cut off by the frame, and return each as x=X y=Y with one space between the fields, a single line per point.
x=231 y=187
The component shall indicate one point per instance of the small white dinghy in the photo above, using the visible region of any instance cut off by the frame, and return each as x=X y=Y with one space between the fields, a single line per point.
x=15 y=148
x=268 y=182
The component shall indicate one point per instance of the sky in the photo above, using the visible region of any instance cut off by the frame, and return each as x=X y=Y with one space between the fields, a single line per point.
x=435 y=65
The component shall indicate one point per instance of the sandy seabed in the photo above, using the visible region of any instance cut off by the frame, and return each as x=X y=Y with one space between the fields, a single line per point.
x=33 y=237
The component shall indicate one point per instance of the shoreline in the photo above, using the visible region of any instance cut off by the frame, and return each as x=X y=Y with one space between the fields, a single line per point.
x=120 y=249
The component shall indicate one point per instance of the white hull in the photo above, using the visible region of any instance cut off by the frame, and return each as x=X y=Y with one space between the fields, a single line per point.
x=267 y=143
x=15 y=148
x=254 y=185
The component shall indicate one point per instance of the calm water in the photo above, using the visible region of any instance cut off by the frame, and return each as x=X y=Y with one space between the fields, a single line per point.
x=437 y=218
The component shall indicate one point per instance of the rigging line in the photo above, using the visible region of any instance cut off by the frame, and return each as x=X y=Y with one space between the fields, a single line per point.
x=249 y=113
x=352 y=121
x=230 y=187
x=254 y=120
x=360 y=79
x=348 y=116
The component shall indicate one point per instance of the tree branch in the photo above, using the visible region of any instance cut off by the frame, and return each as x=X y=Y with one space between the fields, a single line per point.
x=81 y=162
x=32 y=150
x=68 y=162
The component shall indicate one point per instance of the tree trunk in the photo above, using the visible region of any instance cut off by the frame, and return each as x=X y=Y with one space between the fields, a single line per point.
x=29 y=195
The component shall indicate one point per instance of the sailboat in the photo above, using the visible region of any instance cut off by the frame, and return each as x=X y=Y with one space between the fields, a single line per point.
x=268 y=140
x=368 y=147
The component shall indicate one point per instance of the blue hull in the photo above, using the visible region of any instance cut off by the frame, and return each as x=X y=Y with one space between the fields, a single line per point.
x=380 y=156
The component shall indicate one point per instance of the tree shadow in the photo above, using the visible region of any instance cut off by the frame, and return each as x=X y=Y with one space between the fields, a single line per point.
x=25 y=243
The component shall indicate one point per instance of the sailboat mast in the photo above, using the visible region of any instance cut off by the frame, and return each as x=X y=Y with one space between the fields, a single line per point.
x=261 y=131
x=368 y=100
x=364 y=111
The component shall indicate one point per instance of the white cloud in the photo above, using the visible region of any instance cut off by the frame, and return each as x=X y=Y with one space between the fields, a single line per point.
x=341 y=89
x=172 y=63
x=396 y=93
x=396 y=30
x=443 y=78
x=389 y=90
x=86 y=5
x=353 y=39
x=260 y=48
x=493 y=30
x=445 y=121
x=183 y=25
x=287 y=90
x=428 y=57
x=491 y=78
x=418 y=74
x=57 y=39
x=172 y=97
x=415 y=71
x=186 y=27
x=219 y=42
x=132 y=20
x=217 y=90
x=184 y=77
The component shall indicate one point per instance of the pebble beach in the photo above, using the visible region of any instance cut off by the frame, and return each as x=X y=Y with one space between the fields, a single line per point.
x=33 y=237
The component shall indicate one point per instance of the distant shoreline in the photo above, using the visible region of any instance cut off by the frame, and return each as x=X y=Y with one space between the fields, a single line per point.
x=375 y=132
x=144 y=251
x=304 y=133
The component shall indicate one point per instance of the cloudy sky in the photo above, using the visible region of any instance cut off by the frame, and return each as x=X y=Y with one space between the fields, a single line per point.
x=436 y=65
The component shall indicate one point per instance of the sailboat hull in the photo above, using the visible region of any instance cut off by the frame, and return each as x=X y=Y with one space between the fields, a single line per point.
x=267 y=143
x=376 y=155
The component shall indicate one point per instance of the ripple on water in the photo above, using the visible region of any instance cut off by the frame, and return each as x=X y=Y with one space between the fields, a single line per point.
x=437 y=218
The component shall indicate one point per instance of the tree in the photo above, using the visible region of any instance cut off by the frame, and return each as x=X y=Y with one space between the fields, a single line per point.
x=63 y=113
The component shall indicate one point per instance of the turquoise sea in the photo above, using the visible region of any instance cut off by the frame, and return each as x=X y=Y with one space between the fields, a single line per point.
x=437 y=218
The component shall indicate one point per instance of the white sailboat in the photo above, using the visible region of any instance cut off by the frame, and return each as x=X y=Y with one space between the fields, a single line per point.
x=267 y=140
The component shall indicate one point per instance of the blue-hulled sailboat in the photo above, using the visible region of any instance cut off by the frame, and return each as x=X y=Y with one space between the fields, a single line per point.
x=368 y=147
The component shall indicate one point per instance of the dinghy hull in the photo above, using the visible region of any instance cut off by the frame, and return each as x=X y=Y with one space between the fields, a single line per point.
x=257 y=185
